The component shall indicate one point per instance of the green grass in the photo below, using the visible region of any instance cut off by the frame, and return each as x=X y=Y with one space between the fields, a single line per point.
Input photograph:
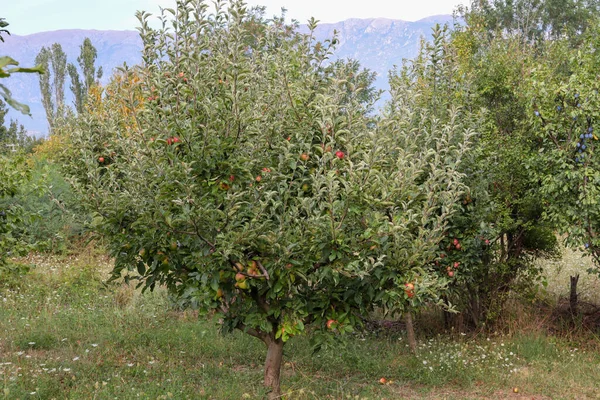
x=66 y=335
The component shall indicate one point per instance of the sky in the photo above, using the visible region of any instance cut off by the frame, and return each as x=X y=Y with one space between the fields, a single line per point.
x=31 y=16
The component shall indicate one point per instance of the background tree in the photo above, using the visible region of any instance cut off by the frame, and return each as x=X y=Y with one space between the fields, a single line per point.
x=532 y=20
x=81 y=84
x=493 y=242
x=564 y=115
x=248 y=177
x=52 y=84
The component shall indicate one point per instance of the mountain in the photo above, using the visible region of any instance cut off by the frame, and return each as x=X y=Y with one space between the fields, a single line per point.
x=378 y=43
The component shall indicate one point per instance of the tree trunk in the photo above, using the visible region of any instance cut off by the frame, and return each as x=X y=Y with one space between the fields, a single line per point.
x=273 y=368
x=410 y=331
x=573 y=303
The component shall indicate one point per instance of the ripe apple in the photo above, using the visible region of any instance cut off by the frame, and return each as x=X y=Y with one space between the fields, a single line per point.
x=231 y=178
x=450 y=274
x=304 y=157
x=409 y=286
x=181 y=74
x=455 y=242
x=239 y=277
x=100 y=159
x=456 y=264
x=330 y=323
x=242 y=285
x=258 y=178
x=339 y=154
x=487 y=242
x=458 y=246
x=383 y=381
x=239 y=266
x=175 y=139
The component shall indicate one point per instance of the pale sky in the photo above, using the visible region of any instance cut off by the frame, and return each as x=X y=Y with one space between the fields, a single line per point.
x=31 y=16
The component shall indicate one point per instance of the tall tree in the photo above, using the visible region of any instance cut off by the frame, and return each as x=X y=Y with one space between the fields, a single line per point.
x=87 y=63
x=52 y=84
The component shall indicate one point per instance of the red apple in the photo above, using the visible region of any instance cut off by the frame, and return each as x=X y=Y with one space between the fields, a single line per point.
x=239 y=277
x=330 y=323
x=304 y=157
x=455 y=242
x=339 y=154
x=456 y=264
x=450 y=274
x=258 y=178
x=100 y=159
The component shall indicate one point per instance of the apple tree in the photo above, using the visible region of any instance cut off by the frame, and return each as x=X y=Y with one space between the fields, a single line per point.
x=245 y=172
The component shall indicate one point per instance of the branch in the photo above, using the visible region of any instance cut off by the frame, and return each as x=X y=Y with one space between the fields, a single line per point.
x=254 y=332
x=262 y=304
x=263 y=270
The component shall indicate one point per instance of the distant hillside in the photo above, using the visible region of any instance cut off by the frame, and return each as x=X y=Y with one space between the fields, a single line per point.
x=378 y=44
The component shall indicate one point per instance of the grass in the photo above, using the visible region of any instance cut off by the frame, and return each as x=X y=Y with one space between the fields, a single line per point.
x=64 y=334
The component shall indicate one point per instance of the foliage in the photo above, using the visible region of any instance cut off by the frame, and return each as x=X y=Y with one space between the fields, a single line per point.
x=54 y=61
x=52 y=84
x=246 y=175
x=12 y=177
x=59 y=225
x=500 y=230
x=14 y=137
x=564 y=114
x=10 y=66
x=532 y=21
x=80 y=85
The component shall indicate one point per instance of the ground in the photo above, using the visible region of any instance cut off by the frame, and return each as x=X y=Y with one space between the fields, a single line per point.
x=66 y=334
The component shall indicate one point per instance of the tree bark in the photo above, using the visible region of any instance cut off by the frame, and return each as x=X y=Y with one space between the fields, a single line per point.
x=410 y=331
x=573 y=302
x=273 y=368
